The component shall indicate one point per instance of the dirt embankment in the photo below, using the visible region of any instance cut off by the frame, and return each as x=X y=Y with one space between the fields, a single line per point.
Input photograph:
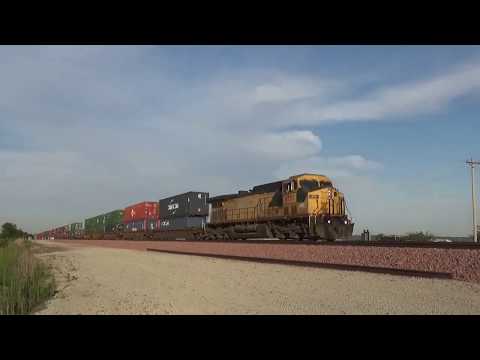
x=116 y=281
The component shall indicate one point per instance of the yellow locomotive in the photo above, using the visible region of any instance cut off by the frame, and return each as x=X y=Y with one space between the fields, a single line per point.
x=305 y=206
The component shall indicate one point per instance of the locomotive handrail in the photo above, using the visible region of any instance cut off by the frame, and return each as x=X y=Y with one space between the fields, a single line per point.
x=238 y=214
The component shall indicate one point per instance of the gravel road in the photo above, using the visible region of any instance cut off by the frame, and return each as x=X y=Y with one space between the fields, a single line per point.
x=94 y=280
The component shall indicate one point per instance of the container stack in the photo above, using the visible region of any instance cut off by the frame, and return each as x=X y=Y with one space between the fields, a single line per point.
x=95 y=224
x=75 y=230
x=183 y=211
x=113 y=221
x=105 y=223
x=44 y=235
x=141 y=217
x=60 y=232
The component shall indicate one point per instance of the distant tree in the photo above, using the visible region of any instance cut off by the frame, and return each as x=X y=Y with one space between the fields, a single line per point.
x=10 y=231
x=419 y=236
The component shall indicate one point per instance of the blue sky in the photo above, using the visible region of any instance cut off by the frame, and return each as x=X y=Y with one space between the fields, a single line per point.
x=88 y=129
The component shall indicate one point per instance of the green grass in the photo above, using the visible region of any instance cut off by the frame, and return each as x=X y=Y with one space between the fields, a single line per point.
x=25 y=281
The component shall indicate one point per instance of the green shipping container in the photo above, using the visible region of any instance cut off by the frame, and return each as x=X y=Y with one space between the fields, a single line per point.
x=95 y=224
x=75 y=227
x=75 y=230
x=114 y=221
x=109 y=222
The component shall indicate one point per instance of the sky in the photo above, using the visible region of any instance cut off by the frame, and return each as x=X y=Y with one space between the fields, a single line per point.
x=89 y=129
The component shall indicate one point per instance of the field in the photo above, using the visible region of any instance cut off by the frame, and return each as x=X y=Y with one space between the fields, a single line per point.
x=112 y=280
x=25 y=282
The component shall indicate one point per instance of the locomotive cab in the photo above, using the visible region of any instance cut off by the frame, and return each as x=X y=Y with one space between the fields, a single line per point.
x=307 y=192
x=315 y=197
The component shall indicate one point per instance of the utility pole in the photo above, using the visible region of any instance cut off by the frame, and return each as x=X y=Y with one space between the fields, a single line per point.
x=472 y=164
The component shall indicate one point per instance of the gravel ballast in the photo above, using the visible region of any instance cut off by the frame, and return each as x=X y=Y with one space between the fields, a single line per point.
x=459 y=264
x=98 y=279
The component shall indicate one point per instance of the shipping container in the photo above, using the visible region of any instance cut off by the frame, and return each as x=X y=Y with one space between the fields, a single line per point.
x=189 y=204
x=109 y=222
x=60 y=232
x=75 y=230
x=75 y=227
x=141 y=225
x=181 y=223
x=142 y=211
x=41 y=236
x=152 y=225
x=138 y=225
x=95 y=224
x=114 y=221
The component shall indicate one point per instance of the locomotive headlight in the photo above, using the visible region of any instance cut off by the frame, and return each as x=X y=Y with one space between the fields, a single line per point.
x=345 y=222
x=329 y=221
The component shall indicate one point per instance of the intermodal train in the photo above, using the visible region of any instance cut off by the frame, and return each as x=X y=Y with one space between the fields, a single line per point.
x=302 y=207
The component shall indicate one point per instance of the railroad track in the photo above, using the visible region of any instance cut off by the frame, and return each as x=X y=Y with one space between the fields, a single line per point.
x=412 y=244
x=404 y=244
x=364 y=268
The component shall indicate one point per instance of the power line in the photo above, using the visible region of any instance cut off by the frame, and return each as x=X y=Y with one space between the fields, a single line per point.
x=472 y=164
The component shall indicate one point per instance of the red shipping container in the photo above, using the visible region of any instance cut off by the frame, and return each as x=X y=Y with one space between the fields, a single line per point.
x=147 y=210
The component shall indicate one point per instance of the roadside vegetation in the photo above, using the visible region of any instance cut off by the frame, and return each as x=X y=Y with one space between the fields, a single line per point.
x=25 y=282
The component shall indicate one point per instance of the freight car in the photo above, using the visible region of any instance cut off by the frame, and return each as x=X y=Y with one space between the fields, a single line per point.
x=105 y=226
x=75 y=231
x=305 y=206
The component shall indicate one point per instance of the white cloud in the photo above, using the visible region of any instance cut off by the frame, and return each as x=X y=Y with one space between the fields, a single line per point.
x=281 y=89
x=333 y=167
x=357 y=162
x=284 y=146
x=405 y=99
x=258 y=93
x=282 y=101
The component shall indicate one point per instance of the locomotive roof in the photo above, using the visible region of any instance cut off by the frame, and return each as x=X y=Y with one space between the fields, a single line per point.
x=307 y=174
x=222 y=197
x=260 y=189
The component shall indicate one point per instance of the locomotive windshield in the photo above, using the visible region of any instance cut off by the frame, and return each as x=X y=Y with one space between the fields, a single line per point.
x=310 y=185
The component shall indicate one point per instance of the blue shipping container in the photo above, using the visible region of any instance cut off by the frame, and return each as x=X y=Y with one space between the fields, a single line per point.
x=182 y=223
x=138 y=225
x=141 y=225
